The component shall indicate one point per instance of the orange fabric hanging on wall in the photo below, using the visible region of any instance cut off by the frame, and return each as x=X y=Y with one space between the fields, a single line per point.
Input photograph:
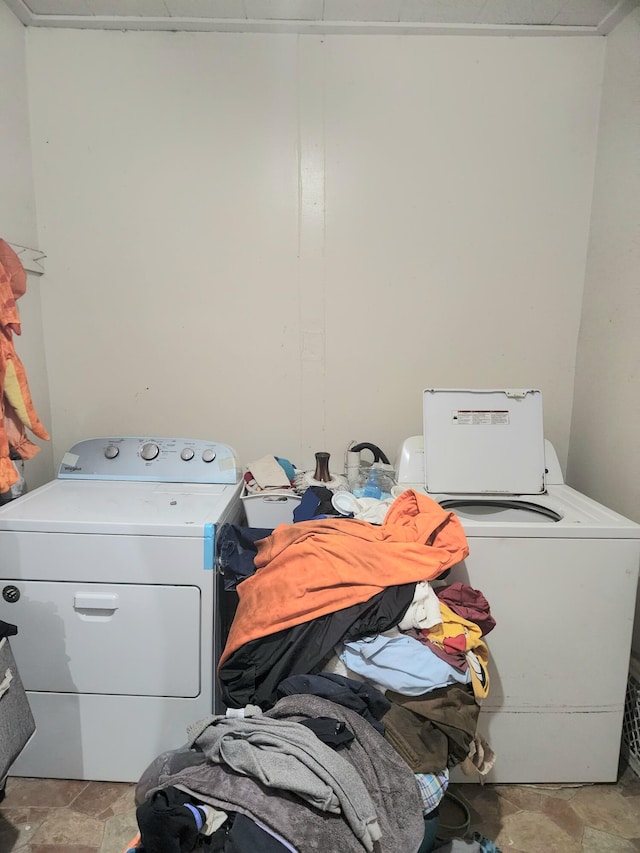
x=17 y=411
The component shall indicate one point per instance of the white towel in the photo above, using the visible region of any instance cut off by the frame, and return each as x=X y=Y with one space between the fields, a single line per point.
x=424 y=610
x=269 y=473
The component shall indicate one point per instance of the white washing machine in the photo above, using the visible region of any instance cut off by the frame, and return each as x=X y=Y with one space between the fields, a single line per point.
x=108 y=572
x=560 y=573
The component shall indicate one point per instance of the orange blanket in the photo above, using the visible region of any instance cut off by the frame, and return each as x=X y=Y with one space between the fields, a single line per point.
x=316 y=567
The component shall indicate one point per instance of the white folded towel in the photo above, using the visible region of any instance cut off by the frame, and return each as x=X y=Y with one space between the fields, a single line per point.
x=269 y=473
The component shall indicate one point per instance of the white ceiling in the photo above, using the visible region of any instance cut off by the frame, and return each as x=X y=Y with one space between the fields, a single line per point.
x=509 y=17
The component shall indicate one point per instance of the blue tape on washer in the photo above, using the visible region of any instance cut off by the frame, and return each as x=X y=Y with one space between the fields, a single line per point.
x=208 y=546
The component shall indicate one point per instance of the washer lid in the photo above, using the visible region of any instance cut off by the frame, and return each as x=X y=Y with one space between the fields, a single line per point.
x=483 y=441
x=129 y=508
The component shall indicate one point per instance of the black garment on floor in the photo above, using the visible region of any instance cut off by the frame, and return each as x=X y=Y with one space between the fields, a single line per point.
x=329 y=730
x=218 y=840
x=247 y=837
x=167 y=824
x=251 y=674
x=236 y=551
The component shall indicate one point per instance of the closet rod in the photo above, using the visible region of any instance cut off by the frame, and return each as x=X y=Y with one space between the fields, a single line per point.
x=31 y=259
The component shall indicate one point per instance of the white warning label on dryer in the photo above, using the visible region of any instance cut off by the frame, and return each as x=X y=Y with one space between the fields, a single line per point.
x=70 y=459
x=481 y=417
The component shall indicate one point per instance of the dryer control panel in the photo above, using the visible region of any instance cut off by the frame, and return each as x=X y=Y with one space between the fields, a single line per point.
x=151 y=459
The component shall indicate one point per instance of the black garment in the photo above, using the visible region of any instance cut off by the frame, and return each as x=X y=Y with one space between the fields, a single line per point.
x=359 y=696
x=315 y=501
x=247 y=837
x=218 y=840
x=167 y=824
x=329 y=730
x=251 y=674
x=7 y=629
x=239 y=834
x=236 y=551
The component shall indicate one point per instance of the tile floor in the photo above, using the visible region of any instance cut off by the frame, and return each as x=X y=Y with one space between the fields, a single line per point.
x=57 y=816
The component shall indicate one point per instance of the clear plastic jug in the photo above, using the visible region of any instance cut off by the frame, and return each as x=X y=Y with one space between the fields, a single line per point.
x=374 y=481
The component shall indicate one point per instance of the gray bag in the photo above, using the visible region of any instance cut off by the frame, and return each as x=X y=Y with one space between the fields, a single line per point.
x=16 y=720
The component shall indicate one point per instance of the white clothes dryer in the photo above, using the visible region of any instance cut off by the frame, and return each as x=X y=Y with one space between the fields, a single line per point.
x=108 y=572
x=559 y=571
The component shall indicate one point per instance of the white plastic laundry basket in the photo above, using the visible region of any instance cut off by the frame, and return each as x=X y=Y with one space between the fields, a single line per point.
x=631 y=720
x=270 y=508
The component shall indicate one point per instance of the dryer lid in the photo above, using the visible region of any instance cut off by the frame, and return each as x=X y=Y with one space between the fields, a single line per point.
x=483 y=441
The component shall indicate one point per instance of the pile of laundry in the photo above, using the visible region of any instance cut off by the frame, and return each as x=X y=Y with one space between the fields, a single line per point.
x=353 y=679
x=306 y=775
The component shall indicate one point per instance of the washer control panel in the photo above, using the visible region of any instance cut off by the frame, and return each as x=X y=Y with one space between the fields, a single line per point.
x=148 y=458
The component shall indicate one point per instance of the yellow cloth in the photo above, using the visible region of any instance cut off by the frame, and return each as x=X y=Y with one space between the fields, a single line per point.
x=463 y=634
x=458 y=635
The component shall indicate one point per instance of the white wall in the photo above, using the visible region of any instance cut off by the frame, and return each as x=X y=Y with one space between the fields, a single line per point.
x=279 y=241
x=605 y=449
x=18 y=221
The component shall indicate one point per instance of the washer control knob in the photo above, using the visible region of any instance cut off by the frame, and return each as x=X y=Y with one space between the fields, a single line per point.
x=11 y=594
x=111 y=451
x=187 y=454
x=208 y=455
x=149 y=451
